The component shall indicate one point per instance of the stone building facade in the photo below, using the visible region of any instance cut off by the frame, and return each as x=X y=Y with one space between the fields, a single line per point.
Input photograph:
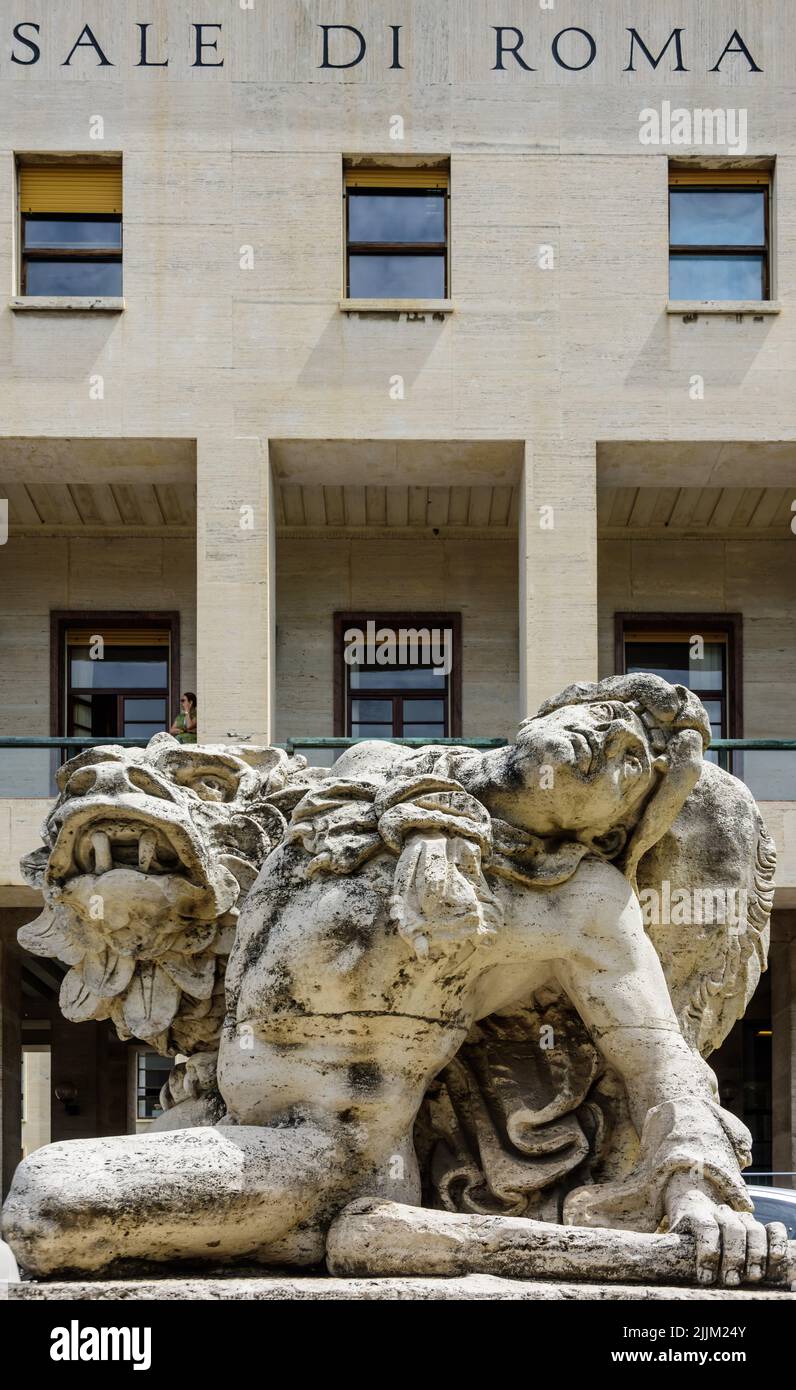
x=227 y=454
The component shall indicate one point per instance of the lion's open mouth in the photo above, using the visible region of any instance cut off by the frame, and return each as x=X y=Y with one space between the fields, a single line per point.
x=96 y=838
x=114 y=844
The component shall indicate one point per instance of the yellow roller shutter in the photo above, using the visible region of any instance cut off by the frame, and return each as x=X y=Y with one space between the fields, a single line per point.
x=396 y=178
x=727 y=178
x=118 y=637
x=79 y=188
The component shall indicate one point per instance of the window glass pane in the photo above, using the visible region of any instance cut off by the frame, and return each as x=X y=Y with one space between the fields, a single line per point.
x=73 y=277
x=673 y=661
x=153 y=1073
x=707 y=673
x=716 y=277
x=80 y=234
x=81 y=716
x=396 y=277
x=666 y=659
x=422 y=710
x=717 y=217
x=97 y=715
x=371 y=731
x=397 y=678
x=713 y=708
x=424 y=731
x=377 y=711
x=145 y=710
x=122 y=668
x=318 y=757
x=396 y=217
x=142 y=731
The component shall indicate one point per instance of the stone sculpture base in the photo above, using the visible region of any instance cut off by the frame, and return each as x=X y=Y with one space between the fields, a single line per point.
x=472 y=1287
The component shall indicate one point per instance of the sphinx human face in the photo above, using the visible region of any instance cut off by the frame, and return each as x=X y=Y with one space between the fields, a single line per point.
x=583 y=770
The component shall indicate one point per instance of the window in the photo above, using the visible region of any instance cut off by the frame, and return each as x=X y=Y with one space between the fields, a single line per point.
x=153 y=1072
x=71 y=230
x=116 y=681
x=396 y=233
x=122 y=693
x=710 y=666
x=398 y=675
x=719 y=236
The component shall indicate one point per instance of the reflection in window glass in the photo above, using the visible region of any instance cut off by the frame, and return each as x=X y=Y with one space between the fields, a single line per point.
x=144 y=732
x=396 y=678
x=145 y=709
x=424 y=710
x=120 y=668
x=74 y=277
x=706 y=225
x=716 y=277
x=50 y=233
x=396 y=239
x=396 y=277
x=379 y=710
x=391 y=217
x=71 y=255
x=674 y=661
x=717 y=217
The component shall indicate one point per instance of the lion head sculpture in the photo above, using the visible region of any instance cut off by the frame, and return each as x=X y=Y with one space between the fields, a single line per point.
x=147 y=856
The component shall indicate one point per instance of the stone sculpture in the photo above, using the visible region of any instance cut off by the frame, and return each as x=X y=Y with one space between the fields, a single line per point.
x=440 y=997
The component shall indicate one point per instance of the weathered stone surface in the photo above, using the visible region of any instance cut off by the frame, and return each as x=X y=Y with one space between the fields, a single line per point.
x=440 y=990
x=394 y=1241
x=146 y=854
x=482 y=1288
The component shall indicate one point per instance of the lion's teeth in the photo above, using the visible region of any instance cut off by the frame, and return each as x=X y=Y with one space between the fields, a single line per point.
x=146 y=849
x=103 y=859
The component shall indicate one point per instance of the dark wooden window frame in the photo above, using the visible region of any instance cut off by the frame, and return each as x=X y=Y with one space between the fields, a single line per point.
x=398 y=248
x=729 y=187
x=61 y=620
x=729 y=624
x=66 y=253
x=416 y=620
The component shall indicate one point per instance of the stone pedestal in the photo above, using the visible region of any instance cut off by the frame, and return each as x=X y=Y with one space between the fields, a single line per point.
x=474 y=1287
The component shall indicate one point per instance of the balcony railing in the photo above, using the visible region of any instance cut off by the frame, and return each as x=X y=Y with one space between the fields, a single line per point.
x=28 y=763
x=759 y=762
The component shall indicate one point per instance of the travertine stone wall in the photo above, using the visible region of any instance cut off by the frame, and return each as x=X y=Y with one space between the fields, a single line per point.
x=234 y=349
x=477 y=578
x=756 y=578
x=37 y=576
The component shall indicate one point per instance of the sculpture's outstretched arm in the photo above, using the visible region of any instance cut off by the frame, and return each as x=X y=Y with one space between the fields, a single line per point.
x=689 y=1169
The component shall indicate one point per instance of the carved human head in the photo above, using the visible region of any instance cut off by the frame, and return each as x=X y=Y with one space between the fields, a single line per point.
x=608 y=764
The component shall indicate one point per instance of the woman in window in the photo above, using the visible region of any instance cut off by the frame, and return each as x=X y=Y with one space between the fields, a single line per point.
x=184 y=726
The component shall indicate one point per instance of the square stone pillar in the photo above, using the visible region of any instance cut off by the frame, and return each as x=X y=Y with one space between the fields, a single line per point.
x=782 y=964
x=558 y=570
x=10 y=1050
x=234 y=590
